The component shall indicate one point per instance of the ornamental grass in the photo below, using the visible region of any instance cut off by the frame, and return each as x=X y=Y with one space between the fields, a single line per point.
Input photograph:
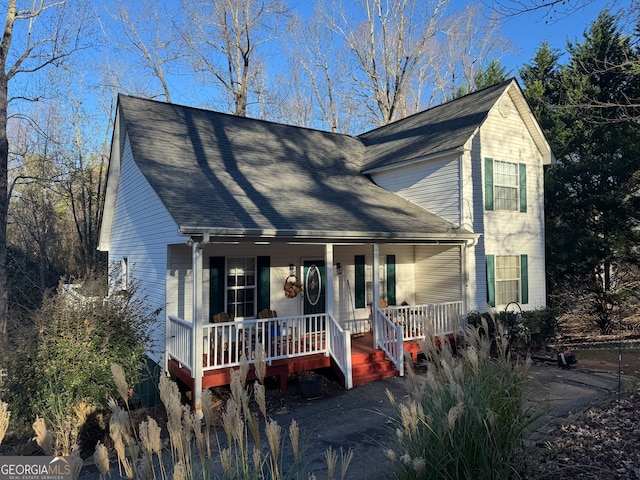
x=466 y=417
x=196 y=449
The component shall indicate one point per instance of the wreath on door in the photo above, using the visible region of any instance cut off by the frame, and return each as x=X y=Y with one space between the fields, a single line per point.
x=292 y=286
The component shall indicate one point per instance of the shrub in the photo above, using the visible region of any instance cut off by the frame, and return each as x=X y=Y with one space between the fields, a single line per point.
x=64 y=361
x=542 y=322
x=522 y=328
x=466 y=417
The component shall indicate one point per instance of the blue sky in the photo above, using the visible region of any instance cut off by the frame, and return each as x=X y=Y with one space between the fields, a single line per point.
x=528 y=31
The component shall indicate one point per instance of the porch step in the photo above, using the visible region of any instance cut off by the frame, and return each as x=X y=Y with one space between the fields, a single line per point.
x=370 y=367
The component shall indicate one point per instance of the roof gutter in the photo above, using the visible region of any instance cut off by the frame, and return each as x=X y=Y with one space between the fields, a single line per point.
x=222 y=234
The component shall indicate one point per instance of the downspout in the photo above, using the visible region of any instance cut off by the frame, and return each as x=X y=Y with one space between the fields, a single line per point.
x=197 y=348
x=376 y=293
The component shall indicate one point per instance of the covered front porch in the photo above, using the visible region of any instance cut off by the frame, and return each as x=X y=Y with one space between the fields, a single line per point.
x=304 y=302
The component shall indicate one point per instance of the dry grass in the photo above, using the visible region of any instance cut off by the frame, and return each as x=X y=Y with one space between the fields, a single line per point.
x=5 y=415
x=465 y=417
x=240 y=453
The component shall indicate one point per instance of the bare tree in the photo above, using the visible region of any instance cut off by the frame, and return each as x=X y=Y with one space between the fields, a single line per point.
x=313 y=52
x=34 y=37
x=150 y=38
x=223 y=39
x=551 y=10
x=83 y=186
x=388 y=47
x=469 y=40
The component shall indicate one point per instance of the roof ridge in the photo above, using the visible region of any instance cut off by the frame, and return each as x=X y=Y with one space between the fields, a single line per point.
x=231 y=115
x=496 y=86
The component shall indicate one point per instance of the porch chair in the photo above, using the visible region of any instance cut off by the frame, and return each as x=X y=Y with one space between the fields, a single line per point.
x=281 y=335
x=266 y=313
x=273 y=329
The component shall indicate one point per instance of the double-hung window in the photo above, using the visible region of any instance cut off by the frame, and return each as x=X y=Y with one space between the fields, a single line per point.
x=241 y=287
x=363 y=288
x=505 y=185
x=507 y=279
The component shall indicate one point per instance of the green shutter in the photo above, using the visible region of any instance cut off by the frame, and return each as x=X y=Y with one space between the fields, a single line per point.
x=391 y=279
x=216 y=286
x=488 y=184
x=524 y=278
x=360 y=286
x=264 y=283
x=523 y=188
x=491 y=280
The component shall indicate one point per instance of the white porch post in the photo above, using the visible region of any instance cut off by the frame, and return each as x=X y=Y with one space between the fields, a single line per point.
x=196 y=322
x=329 y=290
x=376 y=292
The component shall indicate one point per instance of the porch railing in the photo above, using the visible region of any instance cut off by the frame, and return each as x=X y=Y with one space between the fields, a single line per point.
x=282 y=337
x=388 y=338
x=340 y=350
x=179 y=341
x=441 y=318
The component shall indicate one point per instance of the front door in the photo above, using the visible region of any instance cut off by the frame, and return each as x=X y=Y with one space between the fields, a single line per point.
x=314 y=287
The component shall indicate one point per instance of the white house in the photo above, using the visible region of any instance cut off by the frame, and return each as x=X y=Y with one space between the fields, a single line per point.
x=434 y=215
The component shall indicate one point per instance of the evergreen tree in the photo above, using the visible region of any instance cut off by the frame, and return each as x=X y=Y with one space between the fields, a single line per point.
x=592 y=215
x=494 y=73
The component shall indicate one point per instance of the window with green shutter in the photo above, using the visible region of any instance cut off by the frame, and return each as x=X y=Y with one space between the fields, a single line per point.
x=507 y=279
x=264 y=283
x=505 y=185
x=363 y=288
x=488 y=184
x=491 y=280
x=239 y=286
x=523 y=188
x=360 y=286
x=391 y=279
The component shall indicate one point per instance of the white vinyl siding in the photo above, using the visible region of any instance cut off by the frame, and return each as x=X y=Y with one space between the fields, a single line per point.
x=505 y=232
x=438 y=274
x=432 y=184
x=141 y=230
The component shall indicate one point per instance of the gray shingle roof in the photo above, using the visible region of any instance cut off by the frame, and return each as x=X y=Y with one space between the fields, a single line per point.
x=219 y=172
x=439 y=129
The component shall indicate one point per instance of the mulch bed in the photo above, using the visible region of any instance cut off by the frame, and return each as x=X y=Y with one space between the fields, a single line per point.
x=601 y=443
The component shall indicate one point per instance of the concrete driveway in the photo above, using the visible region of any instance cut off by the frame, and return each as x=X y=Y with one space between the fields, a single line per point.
x=361 y=418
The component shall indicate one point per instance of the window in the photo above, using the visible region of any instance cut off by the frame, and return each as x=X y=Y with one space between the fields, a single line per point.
x=382 y=284
x=505 y=185
x=241 y=287
x=507 y=279
x=363 y=290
